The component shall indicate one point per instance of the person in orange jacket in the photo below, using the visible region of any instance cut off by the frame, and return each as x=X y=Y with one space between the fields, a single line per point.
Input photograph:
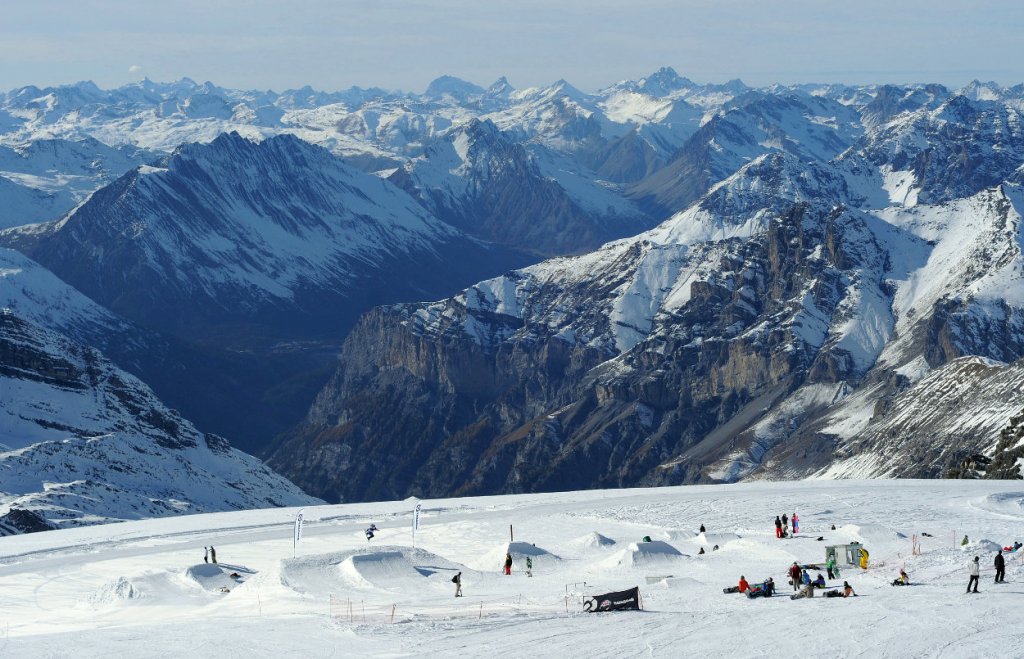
x=744 y=586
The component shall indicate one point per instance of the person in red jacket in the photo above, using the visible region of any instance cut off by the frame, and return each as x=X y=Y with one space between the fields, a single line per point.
x=794 y=575
x=744 y=586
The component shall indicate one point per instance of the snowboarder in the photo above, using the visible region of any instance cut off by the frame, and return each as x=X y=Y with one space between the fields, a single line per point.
x=508 y=564
x=796 y=524
x=369 y=533
x=848 y=590
x=715 y=548
x=805 y=578
x=806 y=591
x=701 y=551
x=794 y=576
x=529 y=566
x=702 y=528
x=902 y=580
x=213 y=555
x=975 y=570
x=830 y=567
x=743 y=585
x=785 y=525
x=769 y=587
x=1000 y=564
x=457 y=580
x=819 y=581
x=206 y=554
x=964 y=542
x=778 y=527
x=863 y=558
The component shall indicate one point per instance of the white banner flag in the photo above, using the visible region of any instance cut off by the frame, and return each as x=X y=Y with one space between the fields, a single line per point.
x=415 y=522
x=297 y=537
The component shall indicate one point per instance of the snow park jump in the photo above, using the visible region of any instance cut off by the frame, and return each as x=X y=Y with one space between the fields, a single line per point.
x=585 y=549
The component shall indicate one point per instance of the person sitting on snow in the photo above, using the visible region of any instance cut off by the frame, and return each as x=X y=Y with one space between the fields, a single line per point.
x=848 y=590
x=902 y=580
x=743 y=585
x=819 y=582
x=805 y=578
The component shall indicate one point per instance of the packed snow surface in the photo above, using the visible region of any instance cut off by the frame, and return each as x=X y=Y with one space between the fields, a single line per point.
x=141 y=589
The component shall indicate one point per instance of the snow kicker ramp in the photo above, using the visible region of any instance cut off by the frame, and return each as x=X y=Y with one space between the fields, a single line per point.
x=494 y=560
x=380 y=568
x=638 y=554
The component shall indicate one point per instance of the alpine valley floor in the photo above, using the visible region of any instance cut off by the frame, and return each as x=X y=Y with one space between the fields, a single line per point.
x=140 y=589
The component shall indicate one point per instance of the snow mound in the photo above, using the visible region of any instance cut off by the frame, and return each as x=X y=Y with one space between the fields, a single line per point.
x=519 y=550
x=868 y=534
x=381 y=568
x=216 y=577
x=116 y=591
x=679 y=583
x=983 y=546
x=712 y=539
x=593 y=541
x=674 y=535
x=643 y=553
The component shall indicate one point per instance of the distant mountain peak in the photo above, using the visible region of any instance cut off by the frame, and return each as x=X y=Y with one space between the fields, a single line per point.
x=455 y=87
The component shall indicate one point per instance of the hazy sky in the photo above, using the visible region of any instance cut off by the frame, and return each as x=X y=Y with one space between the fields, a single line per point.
x=403 y=44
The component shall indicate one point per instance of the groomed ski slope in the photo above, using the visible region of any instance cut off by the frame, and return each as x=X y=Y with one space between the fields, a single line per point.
x=140 y=589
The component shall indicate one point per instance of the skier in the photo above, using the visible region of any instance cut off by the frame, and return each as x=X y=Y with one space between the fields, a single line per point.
x=796 y=524
x=975 y=570
x=778 y=527
x=743 y=585
x=213 y=555
x=508 y=564
x=457 y=580
x=794 y=576
x=1000 y=564
x=529 y=566
x=206 y=554
x=830 y=567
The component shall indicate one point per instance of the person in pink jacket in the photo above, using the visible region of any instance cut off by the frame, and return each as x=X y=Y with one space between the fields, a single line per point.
x=796 y=524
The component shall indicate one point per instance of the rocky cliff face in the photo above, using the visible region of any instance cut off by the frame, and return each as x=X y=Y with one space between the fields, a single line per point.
x=743 y=338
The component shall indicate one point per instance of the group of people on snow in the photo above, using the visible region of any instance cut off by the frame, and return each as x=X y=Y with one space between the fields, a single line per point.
x=782 y=525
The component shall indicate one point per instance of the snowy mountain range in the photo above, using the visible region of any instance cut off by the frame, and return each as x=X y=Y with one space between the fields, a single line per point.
x=741 y=283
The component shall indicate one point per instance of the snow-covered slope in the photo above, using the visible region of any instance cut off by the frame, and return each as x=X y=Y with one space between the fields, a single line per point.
x=83 y=442
x=143 y=588
x=279 y=231
x=483 y=182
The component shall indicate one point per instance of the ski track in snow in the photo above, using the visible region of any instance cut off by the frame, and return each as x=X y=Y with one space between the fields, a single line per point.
x=136 y=588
